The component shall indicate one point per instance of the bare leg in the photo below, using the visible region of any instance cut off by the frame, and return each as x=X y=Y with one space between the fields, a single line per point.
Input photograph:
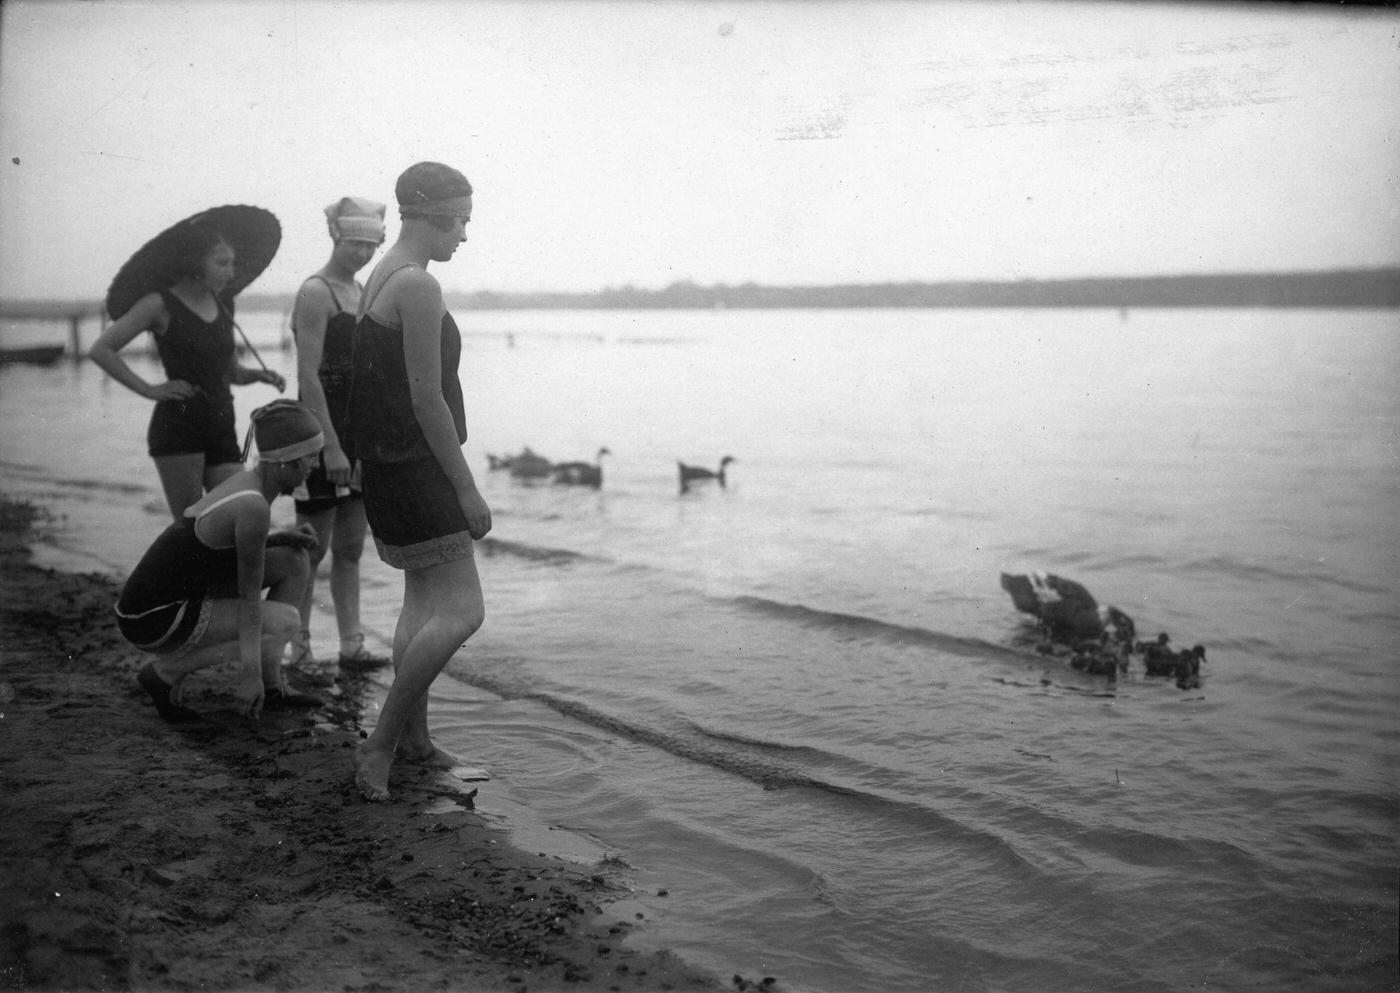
x=219 y=644
x=443 y=607
x=347 y=545
x=284 y=570
x=324 y=522
x=417 y=747
x=287 y=571
x=182 y=479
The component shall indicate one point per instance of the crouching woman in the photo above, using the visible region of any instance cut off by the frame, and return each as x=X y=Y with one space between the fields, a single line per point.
x=196 y=597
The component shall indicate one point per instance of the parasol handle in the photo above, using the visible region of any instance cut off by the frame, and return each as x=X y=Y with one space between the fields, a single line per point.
x=248 y=344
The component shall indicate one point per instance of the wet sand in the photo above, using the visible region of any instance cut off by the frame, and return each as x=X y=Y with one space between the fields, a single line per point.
x=236 y=855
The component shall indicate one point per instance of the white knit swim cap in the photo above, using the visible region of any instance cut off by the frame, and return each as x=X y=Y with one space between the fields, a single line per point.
x=356 y=219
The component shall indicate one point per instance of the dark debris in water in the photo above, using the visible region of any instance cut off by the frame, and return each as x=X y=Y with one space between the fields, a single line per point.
x=19 y=522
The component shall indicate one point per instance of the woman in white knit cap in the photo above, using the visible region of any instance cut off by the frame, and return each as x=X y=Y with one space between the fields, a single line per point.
x=196 y=597
x=323 y=324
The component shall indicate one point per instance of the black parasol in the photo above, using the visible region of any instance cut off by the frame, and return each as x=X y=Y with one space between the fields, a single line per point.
x=252 y=231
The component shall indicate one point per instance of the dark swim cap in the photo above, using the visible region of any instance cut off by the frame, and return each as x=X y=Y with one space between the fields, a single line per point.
x=423 y=188
x=285 y=430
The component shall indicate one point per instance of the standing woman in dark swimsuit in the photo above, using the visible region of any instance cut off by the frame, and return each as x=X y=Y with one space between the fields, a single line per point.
x=406 y=423
x=323 y=323
x=191 y=435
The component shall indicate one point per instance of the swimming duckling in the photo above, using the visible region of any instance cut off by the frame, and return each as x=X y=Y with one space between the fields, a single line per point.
x=1105 y=657
x=695 y=474
x=1188 y=667
x=1094 y=662
x=582 y=473
x=1158 y=657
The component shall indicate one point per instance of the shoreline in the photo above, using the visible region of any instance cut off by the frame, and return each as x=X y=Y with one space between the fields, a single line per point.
x=236 y=855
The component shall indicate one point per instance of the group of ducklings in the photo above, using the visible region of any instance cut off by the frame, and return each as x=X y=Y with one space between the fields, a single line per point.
x=1108 y=656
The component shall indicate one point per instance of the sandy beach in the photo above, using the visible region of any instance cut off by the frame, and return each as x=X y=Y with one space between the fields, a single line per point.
x=235 y=855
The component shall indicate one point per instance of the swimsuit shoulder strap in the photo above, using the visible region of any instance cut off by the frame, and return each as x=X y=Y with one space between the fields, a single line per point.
x=194 y=519
x=334 y=299
x=220 y=502
x=366 y=300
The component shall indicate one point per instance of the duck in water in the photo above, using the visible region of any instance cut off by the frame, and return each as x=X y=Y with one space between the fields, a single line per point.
x=1068 y=611
x=582 y=473
x=690 y=474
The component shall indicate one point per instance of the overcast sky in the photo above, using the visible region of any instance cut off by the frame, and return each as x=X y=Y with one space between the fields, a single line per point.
x=647 y=142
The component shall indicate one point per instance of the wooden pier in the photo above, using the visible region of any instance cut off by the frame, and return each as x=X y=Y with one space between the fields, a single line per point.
x=71 y=312
x=76 y=313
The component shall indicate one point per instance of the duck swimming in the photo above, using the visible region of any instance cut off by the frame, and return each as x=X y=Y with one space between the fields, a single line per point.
x=1068 y=611
x=582 y=473
x=695 y=474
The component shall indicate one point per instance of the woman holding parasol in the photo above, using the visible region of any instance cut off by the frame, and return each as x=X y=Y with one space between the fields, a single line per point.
x=180 y=287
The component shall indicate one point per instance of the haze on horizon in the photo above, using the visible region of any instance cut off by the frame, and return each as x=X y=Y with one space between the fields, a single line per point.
x=629 y=143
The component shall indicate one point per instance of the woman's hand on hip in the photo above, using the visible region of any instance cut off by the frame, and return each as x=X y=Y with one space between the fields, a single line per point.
x=175 y=389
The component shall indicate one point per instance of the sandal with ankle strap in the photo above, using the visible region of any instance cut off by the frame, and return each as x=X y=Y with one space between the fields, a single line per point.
x=362 y=659
x=303 y=666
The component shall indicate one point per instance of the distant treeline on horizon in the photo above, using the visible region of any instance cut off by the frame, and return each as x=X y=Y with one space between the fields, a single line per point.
x=1338 y=288
x=1341 y=288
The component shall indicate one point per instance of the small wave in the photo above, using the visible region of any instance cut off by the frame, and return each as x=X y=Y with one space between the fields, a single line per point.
x=534 y=553
x=34 y=472
x=768 y=774
x=749 y=741
x=735 y=755
x=857 y=626
x=1163 y=850
x=1223 y=565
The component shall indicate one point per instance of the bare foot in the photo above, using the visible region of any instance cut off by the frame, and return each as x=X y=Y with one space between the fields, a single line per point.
x=431 y=756
x=177 y=690
x=159 y=690
x=372 y=774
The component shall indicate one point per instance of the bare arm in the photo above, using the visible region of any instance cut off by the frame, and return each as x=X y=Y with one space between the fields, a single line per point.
x=148 y=314
x=250 y=526
x=314 y=308
x=241 y=375
x=420 y=306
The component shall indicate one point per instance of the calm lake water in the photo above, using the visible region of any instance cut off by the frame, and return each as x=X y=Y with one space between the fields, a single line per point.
x=798 y=716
